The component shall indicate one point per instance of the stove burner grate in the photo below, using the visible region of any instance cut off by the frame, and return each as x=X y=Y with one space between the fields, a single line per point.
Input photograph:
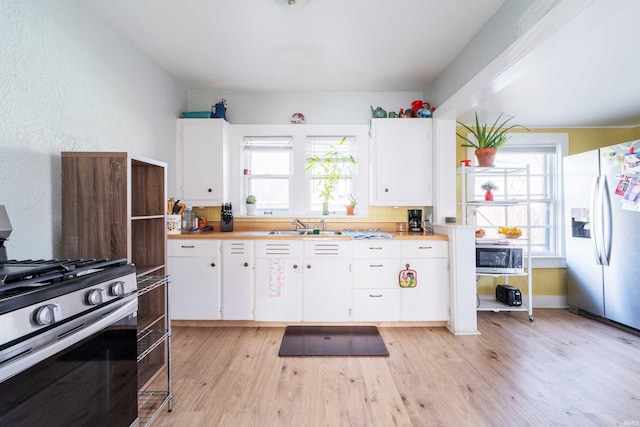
x=33 y=273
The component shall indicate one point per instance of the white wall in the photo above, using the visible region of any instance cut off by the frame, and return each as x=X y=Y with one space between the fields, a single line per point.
x=250 y=107
x=69 y=83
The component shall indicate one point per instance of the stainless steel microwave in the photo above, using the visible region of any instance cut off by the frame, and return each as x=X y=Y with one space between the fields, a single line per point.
x=499 y=259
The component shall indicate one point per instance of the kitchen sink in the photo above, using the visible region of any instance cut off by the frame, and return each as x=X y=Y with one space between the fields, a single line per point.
x=303 y=233
x=323 y=233
x=287 y=232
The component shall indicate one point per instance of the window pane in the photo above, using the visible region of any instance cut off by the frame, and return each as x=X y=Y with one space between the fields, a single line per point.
x=272 y=193
x=270 y=163
x=340 y=196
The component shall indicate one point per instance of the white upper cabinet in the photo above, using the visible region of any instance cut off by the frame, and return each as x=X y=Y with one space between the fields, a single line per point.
x=402 y=162
x=201 y=161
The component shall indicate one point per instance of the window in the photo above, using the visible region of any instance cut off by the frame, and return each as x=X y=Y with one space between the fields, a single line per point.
x=268 y=172
x=274 y=160
x=543 y=153
x=328 y=157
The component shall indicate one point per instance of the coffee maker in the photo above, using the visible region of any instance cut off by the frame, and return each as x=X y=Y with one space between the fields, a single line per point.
x=415 y=220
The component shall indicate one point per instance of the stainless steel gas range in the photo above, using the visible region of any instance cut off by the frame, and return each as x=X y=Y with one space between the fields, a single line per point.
x=68 y=342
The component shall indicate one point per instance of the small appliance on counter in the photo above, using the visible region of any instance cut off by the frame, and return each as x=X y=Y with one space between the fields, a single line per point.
x=415 y=220
x=226 y=217
x=508 y=295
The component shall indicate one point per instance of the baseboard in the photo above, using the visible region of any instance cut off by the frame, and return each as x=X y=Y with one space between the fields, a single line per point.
x=550 y=301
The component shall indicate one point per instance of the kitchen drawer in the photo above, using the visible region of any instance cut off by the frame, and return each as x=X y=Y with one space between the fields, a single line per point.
x=327 y=248
x=375 y=273
x=193 y=248
x=237 y=249
x=425 y=249
x=376 y=305
x=376 y=249
x=278 y=248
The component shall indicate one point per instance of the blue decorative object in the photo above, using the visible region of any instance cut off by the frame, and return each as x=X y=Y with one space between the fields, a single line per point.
x=196 y=114
x=220 y=110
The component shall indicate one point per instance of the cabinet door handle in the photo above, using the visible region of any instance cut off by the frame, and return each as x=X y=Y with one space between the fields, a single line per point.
x=210 y=190
x=308 y=265
x=386 y=190
x=375 y=296
x=188 y=246
x=407 y=265
x=425 y=247
x=246 y=264
x=213 y=264
x=375 y=248
x=295 y=266
x=375 y=265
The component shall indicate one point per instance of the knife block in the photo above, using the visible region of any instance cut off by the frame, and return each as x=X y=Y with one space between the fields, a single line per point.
x=226 y=218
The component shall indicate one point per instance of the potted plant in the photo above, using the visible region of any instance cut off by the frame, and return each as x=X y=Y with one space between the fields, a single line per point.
x=488 y=188
x=251 y=204
x=332 y=166
x=487 y=139
x=352 y=205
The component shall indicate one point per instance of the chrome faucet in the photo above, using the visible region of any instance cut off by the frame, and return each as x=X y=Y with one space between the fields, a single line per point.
x=297 y=223
x=324 y=224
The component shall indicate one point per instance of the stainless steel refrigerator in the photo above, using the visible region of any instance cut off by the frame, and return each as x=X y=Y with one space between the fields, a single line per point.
x=602 y=223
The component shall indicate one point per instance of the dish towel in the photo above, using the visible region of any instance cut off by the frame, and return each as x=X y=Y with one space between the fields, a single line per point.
x=277 y=276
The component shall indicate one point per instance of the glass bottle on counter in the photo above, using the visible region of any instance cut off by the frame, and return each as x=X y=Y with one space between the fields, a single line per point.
x=187 y=219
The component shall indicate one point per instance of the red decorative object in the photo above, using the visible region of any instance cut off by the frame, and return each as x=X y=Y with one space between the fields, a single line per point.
x=488 y=196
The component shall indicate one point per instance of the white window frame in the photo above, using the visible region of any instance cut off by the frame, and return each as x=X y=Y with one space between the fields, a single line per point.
x=560 y=141
x=299 y=135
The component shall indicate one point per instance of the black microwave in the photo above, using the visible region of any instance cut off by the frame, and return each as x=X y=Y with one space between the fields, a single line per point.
x=499 y=259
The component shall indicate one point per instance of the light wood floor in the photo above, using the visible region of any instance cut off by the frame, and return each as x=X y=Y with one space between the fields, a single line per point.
x=561 y=370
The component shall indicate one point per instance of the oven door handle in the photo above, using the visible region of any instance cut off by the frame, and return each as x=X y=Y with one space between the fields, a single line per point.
x=22 y=363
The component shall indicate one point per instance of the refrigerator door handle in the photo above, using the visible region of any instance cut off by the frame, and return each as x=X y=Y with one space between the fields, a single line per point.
x=607 y=224
x=596 y=229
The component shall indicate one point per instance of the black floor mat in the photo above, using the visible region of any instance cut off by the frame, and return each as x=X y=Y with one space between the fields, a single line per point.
x=301 y=341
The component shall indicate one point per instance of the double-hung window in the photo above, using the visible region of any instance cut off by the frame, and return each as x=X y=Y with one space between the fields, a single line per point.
x=333 y=155
x=543 y=153
x=268 y=172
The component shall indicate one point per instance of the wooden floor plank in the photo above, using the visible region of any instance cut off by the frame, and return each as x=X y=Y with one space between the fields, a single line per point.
x=562 y=369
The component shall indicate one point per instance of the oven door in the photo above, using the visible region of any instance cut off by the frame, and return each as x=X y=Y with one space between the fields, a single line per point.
x=82 y=373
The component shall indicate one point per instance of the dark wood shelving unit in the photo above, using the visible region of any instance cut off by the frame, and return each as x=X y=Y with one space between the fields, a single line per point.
x=114 y=206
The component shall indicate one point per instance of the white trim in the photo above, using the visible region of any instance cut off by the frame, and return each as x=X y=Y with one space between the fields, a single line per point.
x=550 y=301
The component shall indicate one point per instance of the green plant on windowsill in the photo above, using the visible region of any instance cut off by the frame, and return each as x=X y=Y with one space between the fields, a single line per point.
x=332 y=167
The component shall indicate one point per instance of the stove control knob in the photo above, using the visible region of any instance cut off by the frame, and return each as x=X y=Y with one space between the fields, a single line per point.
x=95 y=296
x=116 y=289
x=48 y=314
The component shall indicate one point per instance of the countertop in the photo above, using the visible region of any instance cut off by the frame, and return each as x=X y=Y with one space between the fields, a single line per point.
x=262 y=235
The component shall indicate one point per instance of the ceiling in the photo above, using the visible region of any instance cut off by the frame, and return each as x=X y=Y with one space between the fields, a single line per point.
x=586 y=78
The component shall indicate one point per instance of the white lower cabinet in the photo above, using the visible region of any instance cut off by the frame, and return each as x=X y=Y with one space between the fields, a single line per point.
x=376 y=293
x=237 y=280
x=429 y=300
x=194 y=267
x=327 y=281
x=321 y=280
x=278 y=280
